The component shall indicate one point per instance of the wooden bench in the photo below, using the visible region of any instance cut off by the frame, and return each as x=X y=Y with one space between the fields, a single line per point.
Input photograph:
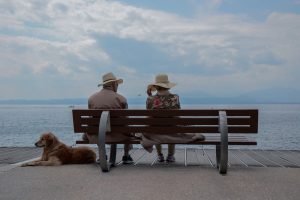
x=221 y=127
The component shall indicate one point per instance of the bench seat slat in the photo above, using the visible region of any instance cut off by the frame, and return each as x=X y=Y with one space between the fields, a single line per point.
x=209 y=140
x=181 y=112
x=153 y=121
x=160 y=130
x=152 y=129
x=164 y=113
x=164 y=121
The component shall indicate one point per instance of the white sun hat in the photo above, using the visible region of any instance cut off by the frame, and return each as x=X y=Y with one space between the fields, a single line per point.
x=108 y=78
x=161 y=80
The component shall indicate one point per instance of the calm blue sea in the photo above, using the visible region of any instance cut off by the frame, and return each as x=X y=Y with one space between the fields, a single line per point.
x=21 y=125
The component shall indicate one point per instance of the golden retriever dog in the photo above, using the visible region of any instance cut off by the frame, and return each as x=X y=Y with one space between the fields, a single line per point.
x=57 y=153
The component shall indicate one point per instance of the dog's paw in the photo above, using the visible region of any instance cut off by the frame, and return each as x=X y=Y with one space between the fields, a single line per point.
x=28 y=164
x=24 y=165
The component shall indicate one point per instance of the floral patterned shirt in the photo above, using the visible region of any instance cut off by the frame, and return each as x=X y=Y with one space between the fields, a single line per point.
x=167 y=101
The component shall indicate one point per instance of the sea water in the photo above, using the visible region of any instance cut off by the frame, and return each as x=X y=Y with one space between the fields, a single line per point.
x=21 y=125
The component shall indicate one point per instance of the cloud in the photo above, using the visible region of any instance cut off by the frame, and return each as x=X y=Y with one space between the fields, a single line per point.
x=217 y=50
x=296 y=2
x=36 y=55
x=127 y=70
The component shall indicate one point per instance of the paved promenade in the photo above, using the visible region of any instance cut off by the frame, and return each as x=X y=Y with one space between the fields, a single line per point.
x=189 y=178
x=184 y=156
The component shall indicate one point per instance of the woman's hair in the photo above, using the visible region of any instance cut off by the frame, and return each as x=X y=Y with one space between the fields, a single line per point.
x=160 y=88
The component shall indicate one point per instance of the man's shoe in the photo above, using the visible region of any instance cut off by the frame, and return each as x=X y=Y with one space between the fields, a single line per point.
x=84 y=137
x=170 y=158
x=127 y=159
x=161 y=158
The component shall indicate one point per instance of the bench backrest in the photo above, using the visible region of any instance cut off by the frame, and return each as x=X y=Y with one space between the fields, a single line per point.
x=166 y=121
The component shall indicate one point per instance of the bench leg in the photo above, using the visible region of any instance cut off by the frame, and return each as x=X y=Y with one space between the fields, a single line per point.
x=218 y=154
x=222 y=149
x=103 y=127
x=102 y=159
x=113 y=153
x=221 y=159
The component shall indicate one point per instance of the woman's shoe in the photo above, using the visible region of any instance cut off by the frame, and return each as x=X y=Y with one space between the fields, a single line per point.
x=170 y=158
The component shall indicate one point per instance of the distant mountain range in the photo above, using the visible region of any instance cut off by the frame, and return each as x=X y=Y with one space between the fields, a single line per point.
x=269 y=96
x=256 y=97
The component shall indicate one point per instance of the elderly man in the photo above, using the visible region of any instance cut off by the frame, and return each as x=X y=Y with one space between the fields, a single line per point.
x=108 y=98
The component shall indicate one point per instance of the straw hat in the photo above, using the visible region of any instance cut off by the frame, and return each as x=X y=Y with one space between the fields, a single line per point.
x=110 y=77
x=161 y=80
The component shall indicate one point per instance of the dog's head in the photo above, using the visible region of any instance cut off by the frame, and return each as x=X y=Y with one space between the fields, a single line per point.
x=47 y=140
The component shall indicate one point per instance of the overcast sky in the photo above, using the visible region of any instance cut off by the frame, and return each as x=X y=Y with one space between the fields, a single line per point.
x=60 y=49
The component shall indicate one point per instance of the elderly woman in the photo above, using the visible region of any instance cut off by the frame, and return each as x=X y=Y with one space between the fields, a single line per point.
x=164 y=99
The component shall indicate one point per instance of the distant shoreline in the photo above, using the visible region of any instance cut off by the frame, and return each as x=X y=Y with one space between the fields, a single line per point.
x=141 y=100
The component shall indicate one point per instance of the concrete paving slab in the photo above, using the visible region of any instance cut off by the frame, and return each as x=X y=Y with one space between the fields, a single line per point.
x=147 y=183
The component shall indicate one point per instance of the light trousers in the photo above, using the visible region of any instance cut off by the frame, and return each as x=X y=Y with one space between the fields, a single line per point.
x=171 y=149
